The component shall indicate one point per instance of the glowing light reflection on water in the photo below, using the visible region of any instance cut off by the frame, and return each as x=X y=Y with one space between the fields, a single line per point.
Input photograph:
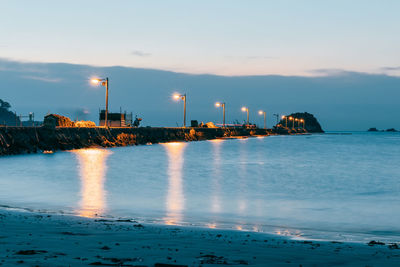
x=175 y=202
x=92 y=166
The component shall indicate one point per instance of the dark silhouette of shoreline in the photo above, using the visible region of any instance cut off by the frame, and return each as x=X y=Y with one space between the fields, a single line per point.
x=25 y=140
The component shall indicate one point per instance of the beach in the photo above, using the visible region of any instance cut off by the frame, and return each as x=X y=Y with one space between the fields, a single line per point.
x=44 y=239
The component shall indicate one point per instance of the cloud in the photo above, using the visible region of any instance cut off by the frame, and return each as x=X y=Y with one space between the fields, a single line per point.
x=139 y=53
x=329 y=72
x=43 y=79
x=390 y=68
x=22 y=66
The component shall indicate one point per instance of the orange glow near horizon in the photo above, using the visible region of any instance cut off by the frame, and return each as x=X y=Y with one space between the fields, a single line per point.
x=175 y=202
x=217 y=140
x=92 y=166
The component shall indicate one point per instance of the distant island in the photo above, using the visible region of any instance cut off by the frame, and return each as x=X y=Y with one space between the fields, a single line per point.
x=374 y=129
x=288 y=124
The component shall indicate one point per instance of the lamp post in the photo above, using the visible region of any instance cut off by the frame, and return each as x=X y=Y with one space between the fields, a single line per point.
x=244 y=109
x=297 y=120
x=261 y=112
x=103 y=82
x=285 y=118
x=183 y=97
x=291 y=119
x=220 y=104
x=302 y=120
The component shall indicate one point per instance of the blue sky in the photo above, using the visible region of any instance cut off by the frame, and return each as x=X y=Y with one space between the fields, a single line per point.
x=220 y=37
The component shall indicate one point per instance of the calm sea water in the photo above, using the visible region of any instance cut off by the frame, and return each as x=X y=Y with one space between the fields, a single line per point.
x=335 y=187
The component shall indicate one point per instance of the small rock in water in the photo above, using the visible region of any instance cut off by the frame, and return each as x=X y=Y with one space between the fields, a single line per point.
x=373 y=242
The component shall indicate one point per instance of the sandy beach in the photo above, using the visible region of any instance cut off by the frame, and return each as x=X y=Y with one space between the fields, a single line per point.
x=41 y=239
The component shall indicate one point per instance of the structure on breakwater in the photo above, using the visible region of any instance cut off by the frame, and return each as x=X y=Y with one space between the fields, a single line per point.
x=20 y=140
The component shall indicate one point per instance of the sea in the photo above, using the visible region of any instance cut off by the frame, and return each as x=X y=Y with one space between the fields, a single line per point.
x=334 y=186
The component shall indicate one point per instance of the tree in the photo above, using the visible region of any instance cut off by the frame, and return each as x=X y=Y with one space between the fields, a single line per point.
x=4 y=105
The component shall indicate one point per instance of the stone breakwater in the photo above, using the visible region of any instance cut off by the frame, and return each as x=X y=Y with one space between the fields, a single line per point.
x=22 y=140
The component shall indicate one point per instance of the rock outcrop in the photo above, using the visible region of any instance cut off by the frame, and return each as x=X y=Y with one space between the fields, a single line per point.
x=310 y=122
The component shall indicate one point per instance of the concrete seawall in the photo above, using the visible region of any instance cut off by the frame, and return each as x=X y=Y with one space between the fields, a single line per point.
x=22 y=140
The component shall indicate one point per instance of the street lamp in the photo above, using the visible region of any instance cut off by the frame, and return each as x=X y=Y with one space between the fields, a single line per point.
x=183 y=97
x=220 y=104
x=302 y=120
x=103 y=82
x=297 y=122
x=244 y=109
x=261 y=112
x=291 y=119
x=285 y=118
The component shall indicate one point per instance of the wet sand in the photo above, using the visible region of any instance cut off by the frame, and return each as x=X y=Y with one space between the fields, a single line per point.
x=40 y=239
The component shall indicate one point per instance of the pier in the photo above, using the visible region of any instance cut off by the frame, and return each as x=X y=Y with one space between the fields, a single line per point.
x=23 y=140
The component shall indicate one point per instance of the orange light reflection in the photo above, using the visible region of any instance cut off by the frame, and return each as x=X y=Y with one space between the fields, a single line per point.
x=216 y=176
x=175 y=202
x=92 y=166
x=212 y=225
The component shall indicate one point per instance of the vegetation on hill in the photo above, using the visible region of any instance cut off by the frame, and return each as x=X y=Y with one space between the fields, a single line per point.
x=6 y=116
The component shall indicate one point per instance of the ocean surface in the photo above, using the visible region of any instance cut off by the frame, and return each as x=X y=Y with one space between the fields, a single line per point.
x=342 y=187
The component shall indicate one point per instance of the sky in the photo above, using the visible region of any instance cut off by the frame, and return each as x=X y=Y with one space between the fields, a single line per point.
x=338 y=59
x=225 y=37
